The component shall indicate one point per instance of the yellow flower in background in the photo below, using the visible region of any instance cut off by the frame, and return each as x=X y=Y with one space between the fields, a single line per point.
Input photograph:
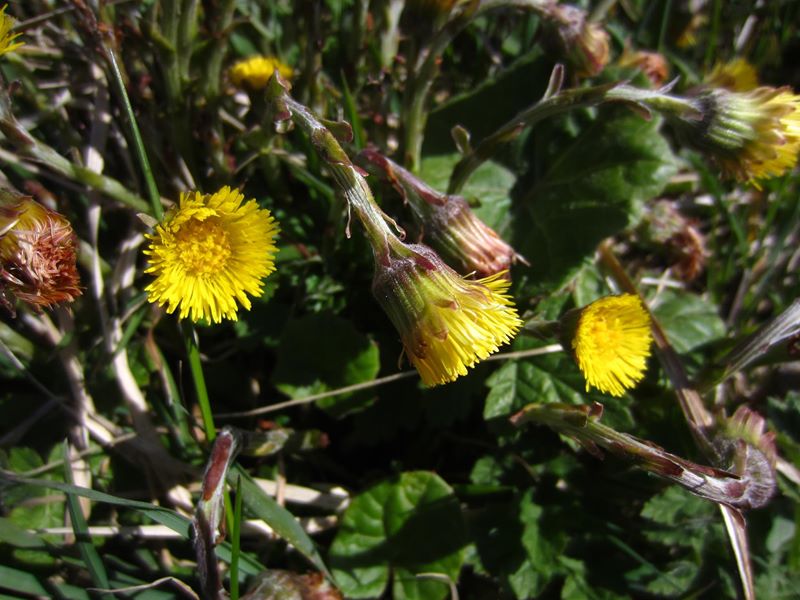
x=253 y=73
x=447 y=323
x=210 y=252
x=7 y=39
x=737 y=75
x=610 y=340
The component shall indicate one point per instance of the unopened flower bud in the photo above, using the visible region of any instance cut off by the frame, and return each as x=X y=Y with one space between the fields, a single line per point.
x=583 y=43
x=652 y=64
x=448 y=224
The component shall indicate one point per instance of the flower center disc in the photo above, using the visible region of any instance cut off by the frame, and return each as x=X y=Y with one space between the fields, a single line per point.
x=204 y=246
x=607 y=339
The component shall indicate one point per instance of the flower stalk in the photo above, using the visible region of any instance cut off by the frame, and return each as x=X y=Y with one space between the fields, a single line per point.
x=557 y=101
x=349 y=180
x=745 y=489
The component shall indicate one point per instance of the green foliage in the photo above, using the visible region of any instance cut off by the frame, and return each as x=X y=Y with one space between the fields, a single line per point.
x=342 y=357
x=594 y=186
x=392 y=490
x=385 y=535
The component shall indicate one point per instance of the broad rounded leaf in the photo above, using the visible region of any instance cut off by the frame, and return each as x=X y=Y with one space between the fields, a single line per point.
x=594 y=188
x=688 y=320
x=395 y=530
x=341 y=356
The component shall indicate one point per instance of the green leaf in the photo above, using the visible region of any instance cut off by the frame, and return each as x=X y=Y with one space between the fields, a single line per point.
x=21 y=582
x=546 y=379
x=594 y=188
x=273 y=514
x=490 y=185
x=165 y=516
x=688 y=320
x=396 y=529
x=33 y=507
x=341 y=356
x=672 y=582
x=14 y=535
x=680 y=519
x=512 y=545
x=91 y=558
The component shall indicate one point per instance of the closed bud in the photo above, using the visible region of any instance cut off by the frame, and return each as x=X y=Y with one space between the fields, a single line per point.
x=583 y=43
x=448 y=224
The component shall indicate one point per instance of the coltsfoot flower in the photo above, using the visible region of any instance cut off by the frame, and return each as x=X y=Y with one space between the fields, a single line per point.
x=447 y=323
x=610 y=340
x=253 y=73
x=752 y=135
x=210 y=252
x=37 y=253
x=8 y=41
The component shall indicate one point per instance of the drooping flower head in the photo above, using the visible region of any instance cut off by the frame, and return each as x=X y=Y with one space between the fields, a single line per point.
x=584 y=43
x=610 y=340
x=209 y=252
x=448 y=224
x=253 y=73
x=37 y=253
x=8 y=41
x=749 y=135
x=447 y=323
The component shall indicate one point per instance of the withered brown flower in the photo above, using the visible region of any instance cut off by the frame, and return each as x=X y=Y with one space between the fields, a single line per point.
x=37 y=254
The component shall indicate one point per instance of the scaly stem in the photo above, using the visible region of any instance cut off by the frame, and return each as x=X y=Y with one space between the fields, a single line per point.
x=350 y=182
x=559 y=102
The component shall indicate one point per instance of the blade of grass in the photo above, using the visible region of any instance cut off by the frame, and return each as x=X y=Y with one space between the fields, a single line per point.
x=278 y=518
x=165 y=516
x=89 y=554
x=138 y=143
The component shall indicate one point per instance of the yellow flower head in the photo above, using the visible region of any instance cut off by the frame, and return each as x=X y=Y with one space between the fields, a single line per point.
x=37 y=253
x=209 y=252
x=447 y=323
x=752 y=135
x=737 y=75
x=611 y=342
x=7 y=39
x=253 y=73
